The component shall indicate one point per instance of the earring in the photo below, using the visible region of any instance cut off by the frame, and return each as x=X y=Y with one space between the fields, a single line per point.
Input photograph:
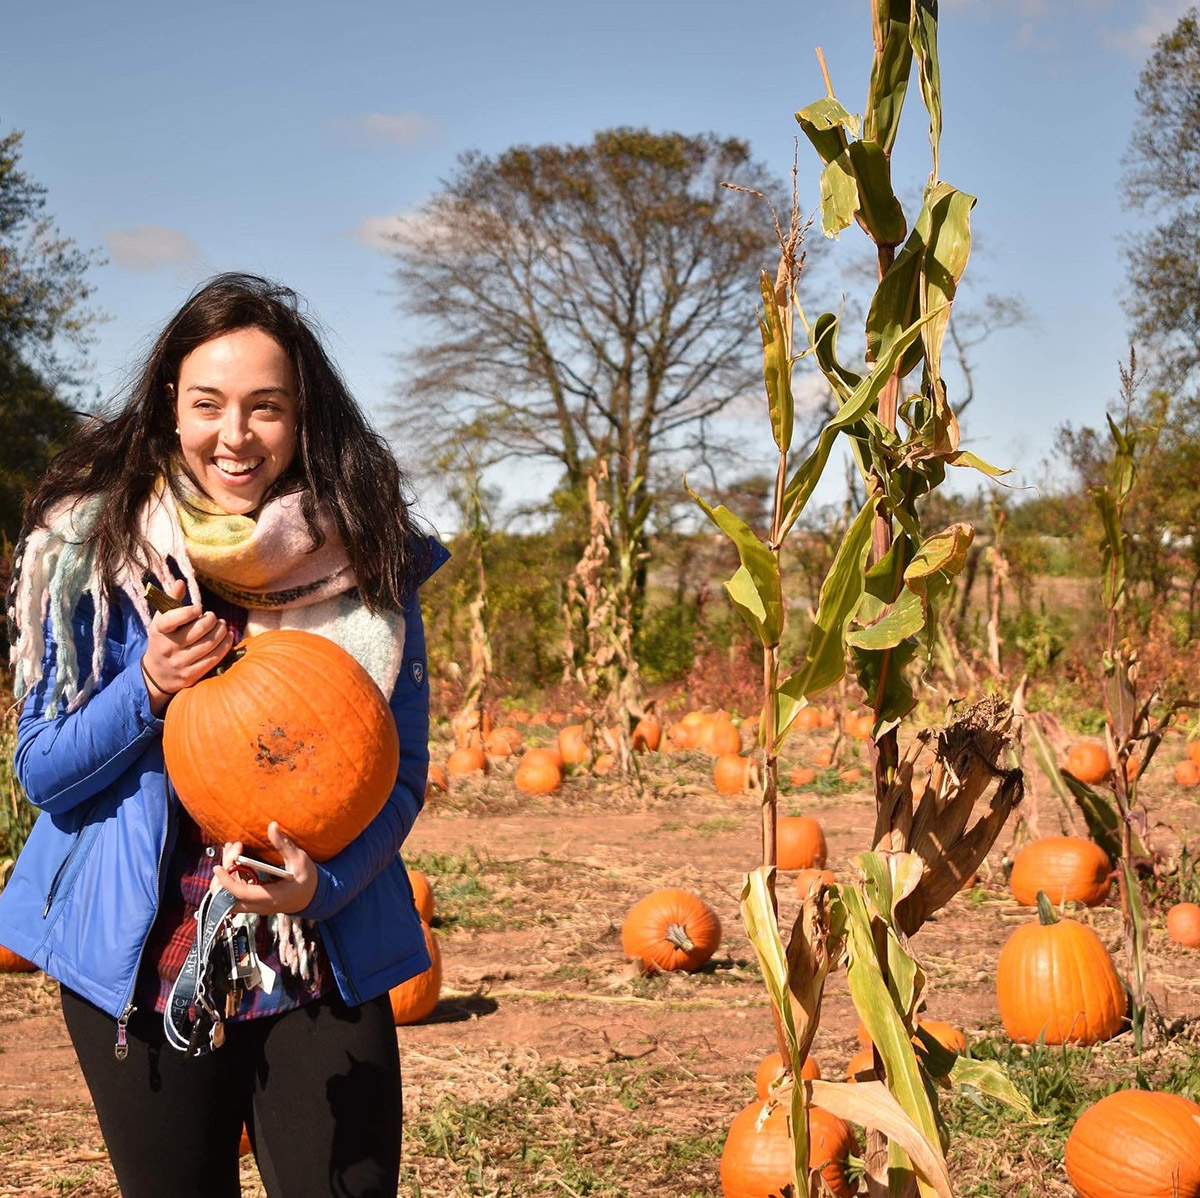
x=177 y=430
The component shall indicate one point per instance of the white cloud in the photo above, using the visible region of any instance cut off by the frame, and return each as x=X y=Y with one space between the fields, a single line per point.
x=149 y=247
x=382 y=232
x=1156 y=20
x=387 y=128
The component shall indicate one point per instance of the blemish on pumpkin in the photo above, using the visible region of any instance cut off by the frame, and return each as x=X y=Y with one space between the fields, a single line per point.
x=279 y=753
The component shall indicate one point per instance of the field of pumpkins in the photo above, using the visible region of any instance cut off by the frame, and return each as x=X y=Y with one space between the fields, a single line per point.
x=595 y=1021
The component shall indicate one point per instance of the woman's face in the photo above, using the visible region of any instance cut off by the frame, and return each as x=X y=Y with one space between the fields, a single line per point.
x=235 y=405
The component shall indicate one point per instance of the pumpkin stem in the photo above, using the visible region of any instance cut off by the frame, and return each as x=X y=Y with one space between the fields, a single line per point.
x=677 y=935
x=1046 y=912
x=230 y=658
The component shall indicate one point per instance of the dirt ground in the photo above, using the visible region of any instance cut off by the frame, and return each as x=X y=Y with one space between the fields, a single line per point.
x=547 y=1067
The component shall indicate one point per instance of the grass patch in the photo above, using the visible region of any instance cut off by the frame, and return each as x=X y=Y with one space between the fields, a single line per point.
x=464 y=891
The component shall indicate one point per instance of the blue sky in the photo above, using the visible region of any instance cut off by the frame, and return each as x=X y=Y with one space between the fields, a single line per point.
x=282 y=138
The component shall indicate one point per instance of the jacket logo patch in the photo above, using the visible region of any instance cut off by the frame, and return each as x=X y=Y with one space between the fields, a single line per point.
x=416 y=669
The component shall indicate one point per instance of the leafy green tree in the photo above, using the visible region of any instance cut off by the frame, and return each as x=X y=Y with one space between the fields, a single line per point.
x=44 y=332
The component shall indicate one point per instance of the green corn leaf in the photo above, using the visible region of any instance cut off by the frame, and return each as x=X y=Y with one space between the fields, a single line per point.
x=889 y=72
x=824 y=343
x=825 y=124
x=990 y=1080
x=1137 y=910
x=905 y=618
x=758 y=916
x=897 y=300
x=825 y=662
x=878 y=207
x=839 y=195
x=1124 y=469
x=973 y=461
x=801 y=485
x=754 y=588
x=883 y=675
x=777 y=366
x=943 y=553
x=1113 y=550
x=946 y=256
x=922 y=33
x=884 y=1024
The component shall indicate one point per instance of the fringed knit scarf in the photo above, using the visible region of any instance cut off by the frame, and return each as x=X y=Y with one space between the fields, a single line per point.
x=267 y=564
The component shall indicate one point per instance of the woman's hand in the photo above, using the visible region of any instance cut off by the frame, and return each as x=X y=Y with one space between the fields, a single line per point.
x=182 y=646
x=275 y=896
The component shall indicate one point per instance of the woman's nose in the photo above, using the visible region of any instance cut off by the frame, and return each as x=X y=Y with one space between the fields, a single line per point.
x=235 y=429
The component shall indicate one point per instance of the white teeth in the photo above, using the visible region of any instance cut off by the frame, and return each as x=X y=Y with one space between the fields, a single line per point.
x=239 y=467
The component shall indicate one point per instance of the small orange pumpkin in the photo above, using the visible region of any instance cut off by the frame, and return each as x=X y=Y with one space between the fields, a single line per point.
x=802 y=775
x=1136 y=1144
x=771 y=1068
x=647 y=735
x=573 y=744
x=862 y=1061
x=245 y=1148
x=604 y=763
x=1183 y=924
x=851 y=775
x=733 y=774
x=808 y=718
x=823 y=757
x=503 y=741
x=259 y=742
x=1187 y=773
x=1193 y=751
x=946 y=1034
x=757 y=1161
x=422 y=894
x=807 y=880
x=799 y=842
x=436 y=780
x=828 y=718
x=415 y=999
x=1055 y=979
x=539 y=772
x=1088 y=762
x=1067 y=868
x=670 y=930
x=461 y=762
x=11 y=962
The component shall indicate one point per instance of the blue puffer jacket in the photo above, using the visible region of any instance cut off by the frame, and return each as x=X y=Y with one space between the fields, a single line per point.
x=86 y=887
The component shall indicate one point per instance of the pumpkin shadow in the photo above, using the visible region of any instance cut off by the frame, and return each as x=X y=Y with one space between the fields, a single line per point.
x=459 y=1010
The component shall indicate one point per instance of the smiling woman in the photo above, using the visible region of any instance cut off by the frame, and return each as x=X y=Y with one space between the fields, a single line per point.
x=241 y=477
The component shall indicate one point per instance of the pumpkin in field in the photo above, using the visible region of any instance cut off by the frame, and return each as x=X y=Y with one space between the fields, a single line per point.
x=807 y=880
x=1136 y=1144
x=862 y=1061
x=1183 y=924
x=1067 y=868
x=604 y=763
x=503 y=741
x=803 y=775
x=415 y=999
x=539 y=772
x=733 y=774
x=647 y=735
x=422 y=894
x=573 y=744
x=757 y=1161
x=259 y=742
x=808 y=719
x=771 y=1067
x=718 y=736
x=1089 y=762
x=823 y=757
x=851 y=775
x=11 y=962
x=946 y=1034
x=557 y=718
x=462 y=762
x=436 y=779
x=1193 y=751
x=1055 y=979
x=1187 y=773
x=670 y=930
x=799 y=842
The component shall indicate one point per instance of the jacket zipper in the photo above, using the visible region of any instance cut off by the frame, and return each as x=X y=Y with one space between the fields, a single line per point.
x=58 y=873
x=121 y=1048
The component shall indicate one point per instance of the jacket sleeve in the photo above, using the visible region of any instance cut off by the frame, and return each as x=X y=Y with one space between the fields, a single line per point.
x=68 y=760
x=342 y=877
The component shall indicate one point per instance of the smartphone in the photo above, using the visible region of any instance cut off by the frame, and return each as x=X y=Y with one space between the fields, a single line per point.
x=276 y=871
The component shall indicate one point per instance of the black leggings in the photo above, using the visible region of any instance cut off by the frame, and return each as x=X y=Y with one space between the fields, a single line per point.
x=318 y=1088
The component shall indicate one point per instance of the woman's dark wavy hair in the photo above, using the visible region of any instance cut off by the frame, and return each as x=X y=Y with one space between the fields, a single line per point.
x=339 y=460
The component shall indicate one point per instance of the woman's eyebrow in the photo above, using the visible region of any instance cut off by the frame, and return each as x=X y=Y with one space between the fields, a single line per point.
x=218 y=392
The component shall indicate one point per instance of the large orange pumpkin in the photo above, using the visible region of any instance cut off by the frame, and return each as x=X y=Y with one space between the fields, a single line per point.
x=1187 y=773
x=733 y=774
x=1136 y=1144
x=11 y=962
x=1089 y=762
x=1065 y=867
x=503 y=741
x=415 y=999
x=671 y=929
x=1055 y=979
x=799 y=843
x=573 y=744
x=422 y=894
x=1193 y=751
x=717 y=736
x=1183 y=924
x=261 y=742
x=539 y=772
x=808 y=880
x=460 y=763
x=757 y=1161
x=647 y=735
